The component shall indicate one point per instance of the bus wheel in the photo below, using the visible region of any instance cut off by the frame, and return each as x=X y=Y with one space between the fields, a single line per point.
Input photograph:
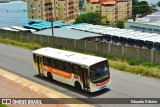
x=78 y=86
x=49 y=75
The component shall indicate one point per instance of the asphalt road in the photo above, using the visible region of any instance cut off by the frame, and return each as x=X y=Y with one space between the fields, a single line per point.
x=124 y=85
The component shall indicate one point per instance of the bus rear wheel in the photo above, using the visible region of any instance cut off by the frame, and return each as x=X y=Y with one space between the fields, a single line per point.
x=78 y=86
x=50 y=77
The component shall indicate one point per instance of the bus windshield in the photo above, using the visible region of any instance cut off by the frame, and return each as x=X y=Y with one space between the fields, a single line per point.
x=99 y=73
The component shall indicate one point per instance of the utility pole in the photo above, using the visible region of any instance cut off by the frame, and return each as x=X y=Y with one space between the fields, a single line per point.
x=52 y=20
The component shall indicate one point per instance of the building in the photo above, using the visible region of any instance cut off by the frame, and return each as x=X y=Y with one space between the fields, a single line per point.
x=110 y=10
x=151 y=27
x=63 y=10
x=149 y=23
x=68 y=9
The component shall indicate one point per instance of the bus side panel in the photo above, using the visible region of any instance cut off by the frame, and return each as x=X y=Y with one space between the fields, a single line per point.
x=59 y=75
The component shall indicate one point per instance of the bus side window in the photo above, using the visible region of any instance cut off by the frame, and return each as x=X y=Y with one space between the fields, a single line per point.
x=46 y=61
x=34 y=57
x=76 y=69
x=60 y=65
x=53 y=63
x=68 y=67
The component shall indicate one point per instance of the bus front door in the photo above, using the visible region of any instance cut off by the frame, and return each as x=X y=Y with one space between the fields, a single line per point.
x=85 y=79
x=40 y=63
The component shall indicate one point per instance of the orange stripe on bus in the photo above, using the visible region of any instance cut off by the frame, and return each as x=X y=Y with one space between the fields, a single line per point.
x=98 y=84
x=57 y=72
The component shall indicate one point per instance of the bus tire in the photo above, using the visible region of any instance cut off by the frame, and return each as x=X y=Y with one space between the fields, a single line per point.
x=78 y=86
x=49 y=75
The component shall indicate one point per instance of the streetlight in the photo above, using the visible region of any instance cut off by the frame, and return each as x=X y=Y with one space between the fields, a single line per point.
x=52 y=20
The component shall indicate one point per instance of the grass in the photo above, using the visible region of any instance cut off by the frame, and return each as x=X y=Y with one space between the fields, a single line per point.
x=27 y=45
x=132 y=65
x=3 y=105
x=135 y=66
x=133 y=62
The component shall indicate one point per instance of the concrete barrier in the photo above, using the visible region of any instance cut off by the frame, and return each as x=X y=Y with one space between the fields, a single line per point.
x=31 y=37
x=24 y=36
x=80 y=45
x=59 y=42
x=38 y=38
x=130 y=53
x=70 y=44
x=144 y=55
x=156 y=57
x=2 y=32
x=9 y=34
x=115 y=51
x=91 y=47
x=45 y=40
x=18 y=35
x=102 y=49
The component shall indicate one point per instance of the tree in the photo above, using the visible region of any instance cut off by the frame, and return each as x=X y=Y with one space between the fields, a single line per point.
x=158 y=4
x=120 y=24
x=81 y=3
x=92 y=18
x=140 y=8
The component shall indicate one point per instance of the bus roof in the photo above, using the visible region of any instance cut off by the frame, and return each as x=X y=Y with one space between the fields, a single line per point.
x=77 y=58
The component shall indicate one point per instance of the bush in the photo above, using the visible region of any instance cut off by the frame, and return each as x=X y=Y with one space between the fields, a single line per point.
x=149 y=64
x=133 y=62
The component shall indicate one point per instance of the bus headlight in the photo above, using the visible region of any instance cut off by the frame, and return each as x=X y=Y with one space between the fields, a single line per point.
x=93 y=84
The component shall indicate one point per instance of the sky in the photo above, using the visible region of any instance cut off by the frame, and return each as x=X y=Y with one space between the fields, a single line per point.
x=151 y=1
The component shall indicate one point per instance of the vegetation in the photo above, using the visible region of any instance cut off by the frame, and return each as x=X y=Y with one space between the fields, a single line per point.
x=141 y=8
x=92 y=18
x=27 y=45
x=132 y=65
x=2 y=105
x=133 y=62
x=158 y=4
x=81 y=3
x=135 y=66
x=120 y=24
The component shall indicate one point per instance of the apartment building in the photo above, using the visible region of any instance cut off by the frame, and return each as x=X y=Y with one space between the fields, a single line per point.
x=68 y=9
x=63 y=10
x=42 y=9
x=110 y=10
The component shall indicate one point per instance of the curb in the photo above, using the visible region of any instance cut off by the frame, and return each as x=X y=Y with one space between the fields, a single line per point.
x=40 y=89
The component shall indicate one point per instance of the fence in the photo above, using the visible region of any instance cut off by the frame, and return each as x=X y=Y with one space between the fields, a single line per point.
x=101 y=49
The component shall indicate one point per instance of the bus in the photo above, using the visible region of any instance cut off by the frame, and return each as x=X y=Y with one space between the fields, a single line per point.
x=84 y=72
x=153 y=43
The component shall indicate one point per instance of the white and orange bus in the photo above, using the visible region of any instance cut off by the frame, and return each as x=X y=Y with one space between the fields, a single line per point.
x=85 y=72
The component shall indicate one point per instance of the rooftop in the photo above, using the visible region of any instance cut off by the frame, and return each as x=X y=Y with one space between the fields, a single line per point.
x=67 y=33
x=109 y=2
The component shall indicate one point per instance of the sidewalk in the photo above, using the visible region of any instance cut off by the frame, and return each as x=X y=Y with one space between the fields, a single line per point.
x=13 y=86
x=10 y=89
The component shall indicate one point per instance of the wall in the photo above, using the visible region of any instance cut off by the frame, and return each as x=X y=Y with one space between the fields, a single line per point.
x=96 y=48
x=142 y=27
